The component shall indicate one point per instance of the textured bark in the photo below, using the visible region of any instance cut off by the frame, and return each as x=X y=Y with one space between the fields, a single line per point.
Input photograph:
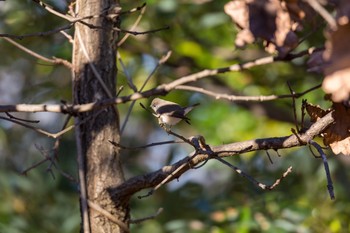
x=95 y=48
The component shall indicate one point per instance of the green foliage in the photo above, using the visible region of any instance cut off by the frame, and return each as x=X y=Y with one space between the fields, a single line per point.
x=211 y=199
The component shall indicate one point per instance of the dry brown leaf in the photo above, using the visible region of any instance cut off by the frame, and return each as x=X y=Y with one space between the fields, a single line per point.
x=315 y=112
x=270 y=20
x=337 y=72
x=337 y=136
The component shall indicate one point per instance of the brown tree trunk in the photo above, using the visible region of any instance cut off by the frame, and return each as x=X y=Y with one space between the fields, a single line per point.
x=94 y=78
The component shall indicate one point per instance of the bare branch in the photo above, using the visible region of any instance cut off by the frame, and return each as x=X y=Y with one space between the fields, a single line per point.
x=82 y=181
x=20 y=119
x=36 y=34
x=243 y=98
x=161 y=61
x=155 y=178
x=139 y=220
x=323 y=12
x=292 y=92
x=326 y=168
x=34 y=54
x=91 y=64
x=144 y=146
x=52 y=11
x=73 y=21
x=133 y=26
x=160 y=90
x=108 y=215
x=210 y=72
x=52 y=135
x=251 y=179
x=278 y=181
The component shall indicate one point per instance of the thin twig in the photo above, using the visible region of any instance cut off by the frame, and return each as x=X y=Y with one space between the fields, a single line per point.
x=52 y=11
x=91 y=64
x=73 y=21
x=268 y=156
x=251 y=179
x=82 y=181
x=47 y=157
x=326 y=167
x=139 y=220
x=137 y=21
x=169 y=131
x=51 y=158
x=69 y=37
x=108 y=215
x=161 y=61
x=324 y=13
x=29 y=126
x=126 y=73
x=36 y=34
x=34 y=54
x=243 y=98
x=207 y=149
x=25 y=172
x=133 y=9
x=144 y=146
x=294 y=107
x=135 y=33
x=278 y=181
x=20 y=119
x=52 y=135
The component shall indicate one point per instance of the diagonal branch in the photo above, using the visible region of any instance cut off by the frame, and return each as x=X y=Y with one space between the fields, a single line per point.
x=34 y=54
x=152 y=179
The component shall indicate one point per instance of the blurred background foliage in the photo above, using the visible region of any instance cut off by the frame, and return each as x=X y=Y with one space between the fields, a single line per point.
x=210 y=199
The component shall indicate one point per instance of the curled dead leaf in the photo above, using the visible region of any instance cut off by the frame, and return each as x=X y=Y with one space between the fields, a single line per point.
x=274 y=21
x=337 y=71
x=336 y=136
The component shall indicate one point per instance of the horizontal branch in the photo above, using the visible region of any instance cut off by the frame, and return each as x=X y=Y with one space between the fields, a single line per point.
x=260 y=98
x=160 y=90
x=152 y=179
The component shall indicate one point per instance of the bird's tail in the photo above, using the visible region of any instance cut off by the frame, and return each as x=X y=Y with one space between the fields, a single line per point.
x=189 y=108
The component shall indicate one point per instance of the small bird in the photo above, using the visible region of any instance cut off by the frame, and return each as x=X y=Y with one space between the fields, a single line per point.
x=170 y=113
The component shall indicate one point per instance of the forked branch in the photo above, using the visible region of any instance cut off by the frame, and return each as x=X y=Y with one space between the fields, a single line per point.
x=135 y=184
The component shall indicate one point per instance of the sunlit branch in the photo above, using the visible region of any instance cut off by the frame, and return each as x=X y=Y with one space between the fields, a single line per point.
x=160 y=90
x=48 y=134
x=323 y=12
x=34 y=54
x=52 y=11
x=260 y=98
x=156 y=178
x=137 y=21
x=108 y=215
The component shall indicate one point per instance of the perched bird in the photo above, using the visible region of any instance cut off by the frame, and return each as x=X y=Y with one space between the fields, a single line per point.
x=170 y=113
